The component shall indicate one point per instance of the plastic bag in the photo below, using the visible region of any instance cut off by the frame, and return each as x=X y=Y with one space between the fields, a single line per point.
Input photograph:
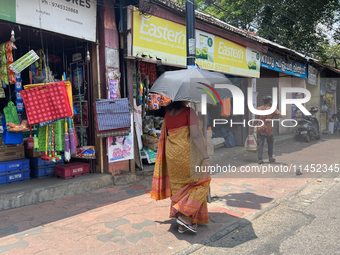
x=148 y=124
x=11 y=114
x=153 y=102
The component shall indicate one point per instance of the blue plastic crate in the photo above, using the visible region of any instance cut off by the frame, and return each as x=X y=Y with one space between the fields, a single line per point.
x=14 y=165
x=18 y=176
x=37 y=172
x=42 y=172
x=49 y=171
x=3 y=180
x=38 y=163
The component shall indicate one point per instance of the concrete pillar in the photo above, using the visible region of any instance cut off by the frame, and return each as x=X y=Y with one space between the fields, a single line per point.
x=108 y=37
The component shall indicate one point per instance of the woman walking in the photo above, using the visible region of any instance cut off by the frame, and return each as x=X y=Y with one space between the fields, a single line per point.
x=181 y=148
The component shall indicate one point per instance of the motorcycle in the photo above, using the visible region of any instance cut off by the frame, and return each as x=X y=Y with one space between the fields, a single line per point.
x=308 y=127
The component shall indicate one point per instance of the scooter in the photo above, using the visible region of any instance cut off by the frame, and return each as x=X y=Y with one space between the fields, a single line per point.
x=308 y=127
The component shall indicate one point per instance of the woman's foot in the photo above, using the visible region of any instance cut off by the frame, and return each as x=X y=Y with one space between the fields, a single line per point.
x=182 y=229
x=185 y=223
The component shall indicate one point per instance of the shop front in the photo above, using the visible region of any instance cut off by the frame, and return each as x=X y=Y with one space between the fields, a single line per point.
x=157 y=44
x=46 y=89
x=313 y=86
x=278 y=71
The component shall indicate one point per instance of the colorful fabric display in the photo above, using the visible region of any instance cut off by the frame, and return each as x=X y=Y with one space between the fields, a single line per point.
x=135 y=79
x=164 y=101
x=59 y=131
x=45 y=103
x=3 y=66
x=68 y=86
x=148 y=69
x=9 y=60
x=153 y=102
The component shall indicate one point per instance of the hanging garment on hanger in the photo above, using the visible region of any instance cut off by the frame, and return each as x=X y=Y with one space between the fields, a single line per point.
x=3 y=66
x=9 y=60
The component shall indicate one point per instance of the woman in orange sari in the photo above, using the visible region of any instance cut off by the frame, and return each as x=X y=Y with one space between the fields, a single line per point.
x=181 y=151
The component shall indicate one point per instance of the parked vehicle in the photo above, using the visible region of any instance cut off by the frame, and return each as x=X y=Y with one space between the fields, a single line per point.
x=308 y=127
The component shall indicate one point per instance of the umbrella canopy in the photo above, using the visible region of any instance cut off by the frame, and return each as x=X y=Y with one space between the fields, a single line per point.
x=190 y=84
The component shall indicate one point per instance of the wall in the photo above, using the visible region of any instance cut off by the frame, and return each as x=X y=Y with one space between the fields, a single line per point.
x=289 y=81
x=315 y=97
x=109 y=66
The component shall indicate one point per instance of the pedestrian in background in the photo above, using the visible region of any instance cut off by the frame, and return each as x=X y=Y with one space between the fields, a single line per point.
x=265 y=132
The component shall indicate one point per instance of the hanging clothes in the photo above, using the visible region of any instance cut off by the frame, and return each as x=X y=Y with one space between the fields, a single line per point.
x=9 y=60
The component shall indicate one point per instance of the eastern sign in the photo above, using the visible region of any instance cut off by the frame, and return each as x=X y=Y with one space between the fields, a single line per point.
x=218 y=54
x=280 y=64
x=159 y=38
x=75 y=18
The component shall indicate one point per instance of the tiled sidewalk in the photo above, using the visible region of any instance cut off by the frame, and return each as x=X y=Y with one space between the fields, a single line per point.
x=124 y=220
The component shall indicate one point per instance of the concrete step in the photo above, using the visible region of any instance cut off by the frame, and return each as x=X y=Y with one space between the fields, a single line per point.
x=48 y=189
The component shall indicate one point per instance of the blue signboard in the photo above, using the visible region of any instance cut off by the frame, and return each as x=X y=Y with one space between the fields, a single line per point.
x=280 y=64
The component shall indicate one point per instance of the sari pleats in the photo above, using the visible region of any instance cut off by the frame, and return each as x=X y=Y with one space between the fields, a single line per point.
x=175 y=175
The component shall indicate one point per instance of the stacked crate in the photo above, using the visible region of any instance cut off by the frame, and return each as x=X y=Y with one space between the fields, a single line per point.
x=43 y=169
x=14 y=171
x=72 y=170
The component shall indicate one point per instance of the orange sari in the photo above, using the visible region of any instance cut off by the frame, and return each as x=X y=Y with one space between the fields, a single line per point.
x=175 y=176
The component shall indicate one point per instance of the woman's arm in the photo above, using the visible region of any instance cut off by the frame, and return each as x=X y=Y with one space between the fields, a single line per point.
x=196 y=137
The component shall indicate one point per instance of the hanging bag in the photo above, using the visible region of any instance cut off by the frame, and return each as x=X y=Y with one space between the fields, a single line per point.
x=45 y=103
x=153 y=102
x=251 y=143
x=164 y=101
x=11 y=114
x=112 y=114
x=68 y=89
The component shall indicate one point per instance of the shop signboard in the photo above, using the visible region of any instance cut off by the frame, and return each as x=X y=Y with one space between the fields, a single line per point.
x=280 y=64
x=7 y=10
x=158 y=38
x=312 y=75
x=68 y=17
x=218 y=54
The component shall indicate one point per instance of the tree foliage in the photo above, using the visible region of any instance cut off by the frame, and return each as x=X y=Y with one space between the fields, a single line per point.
x=302 y=25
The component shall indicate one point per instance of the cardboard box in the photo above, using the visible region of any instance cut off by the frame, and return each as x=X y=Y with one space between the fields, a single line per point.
x=30 y=153
x=12 y=153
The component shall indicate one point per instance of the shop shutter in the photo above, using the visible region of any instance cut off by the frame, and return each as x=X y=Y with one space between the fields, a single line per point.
x=264 y=87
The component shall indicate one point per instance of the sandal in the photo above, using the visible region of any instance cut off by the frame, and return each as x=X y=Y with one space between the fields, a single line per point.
x=188 y=226
x=182 y=231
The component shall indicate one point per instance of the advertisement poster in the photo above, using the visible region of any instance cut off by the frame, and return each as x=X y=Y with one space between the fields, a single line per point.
x=77 y=119
x=296 y=113
x=113 y=89
x=205 y=46
x=121 y=147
